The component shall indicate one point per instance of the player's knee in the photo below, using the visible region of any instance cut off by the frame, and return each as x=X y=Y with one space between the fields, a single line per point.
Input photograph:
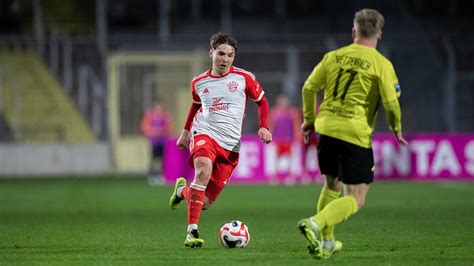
x=203 y=174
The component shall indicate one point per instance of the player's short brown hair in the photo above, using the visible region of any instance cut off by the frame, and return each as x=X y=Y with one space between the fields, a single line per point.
x=223 y=38
x=368 y=22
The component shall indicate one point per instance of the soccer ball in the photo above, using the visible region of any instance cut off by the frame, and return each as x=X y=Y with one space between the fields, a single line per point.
x=234 y=234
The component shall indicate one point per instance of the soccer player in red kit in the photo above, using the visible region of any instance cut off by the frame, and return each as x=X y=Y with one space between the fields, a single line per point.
x=213 y=130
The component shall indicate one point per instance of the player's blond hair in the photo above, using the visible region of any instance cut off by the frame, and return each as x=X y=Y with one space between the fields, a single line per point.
x=368 y=22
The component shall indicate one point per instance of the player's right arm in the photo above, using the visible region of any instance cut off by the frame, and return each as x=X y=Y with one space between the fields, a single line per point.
x=389 y=90
x=314 y=83
x=185 y=137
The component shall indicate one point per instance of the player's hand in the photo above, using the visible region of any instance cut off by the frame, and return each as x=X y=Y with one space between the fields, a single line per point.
x=183 y=141
x=265 y=135
x=306 y=130
x=400 y=139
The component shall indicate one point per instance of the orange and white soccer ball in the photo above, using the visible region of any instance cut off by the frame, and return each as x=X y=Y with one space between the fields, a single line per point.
x=234 y=234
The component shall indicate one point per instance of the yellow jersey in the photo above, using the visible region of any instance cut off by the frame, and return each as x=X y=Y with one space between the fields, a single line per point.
x=355 y=79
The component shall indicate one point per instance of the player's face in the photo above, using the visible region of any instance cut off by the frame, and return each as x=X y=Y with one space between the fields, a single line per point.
x=222 y=58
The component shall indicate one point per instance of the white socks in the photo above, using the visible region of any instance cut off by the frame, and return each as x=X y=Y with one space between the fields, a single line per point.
x=328 y=244
x=192 y=227
x=178 y=192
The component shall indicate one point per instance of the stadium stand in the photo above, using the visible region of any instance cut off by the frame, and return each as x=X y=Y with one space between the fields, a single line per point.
x=268 y=31
x=36 y=108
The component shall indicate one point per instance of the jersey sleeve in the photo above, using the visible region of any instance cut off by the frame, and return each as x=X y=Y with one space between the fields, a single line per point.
x=253 y=88
x=394 y=115
x=317 y=79
x=315 y=82
x=196 y=98
x=389 y=88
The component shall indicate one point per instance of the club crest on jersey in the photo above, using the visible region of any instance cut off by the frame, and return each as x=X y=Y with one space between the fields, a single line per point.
x=200 y=142
x=232 y=86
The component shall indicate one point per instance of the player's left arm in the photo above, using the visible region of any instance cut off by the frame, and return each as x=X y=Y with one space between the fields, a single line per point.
x=389 y=90
x=256 y=93
x=263 y=109
x=315 y=82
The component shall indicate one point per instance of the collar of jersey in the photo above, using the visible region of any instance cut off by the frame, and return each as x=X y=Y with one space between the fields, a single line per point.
x=231 y=69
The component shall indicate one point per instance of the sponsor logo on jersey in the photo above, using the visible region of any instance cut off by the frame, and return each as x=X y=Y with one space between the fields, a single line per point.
x=218 y=105
x=217 y=100
x=232 y=86
x=201 y=142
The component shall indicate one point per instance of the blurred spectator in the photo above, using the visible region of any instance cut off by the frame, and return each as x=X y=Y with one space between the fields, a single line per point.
x=156 y=126
x=284 y=123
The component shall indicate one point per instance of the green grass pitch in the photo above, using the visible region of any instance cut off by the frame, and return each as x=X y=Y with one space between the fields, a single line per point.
x=125 y=221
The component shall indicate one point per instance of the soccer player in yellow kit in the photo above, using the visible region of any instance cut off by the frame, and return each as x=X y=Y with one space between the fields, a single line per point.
x=355 y=80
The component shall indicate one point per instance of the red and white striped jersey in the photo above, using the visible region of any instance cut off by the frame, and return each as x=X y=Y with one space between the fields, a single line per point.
x=223 y=102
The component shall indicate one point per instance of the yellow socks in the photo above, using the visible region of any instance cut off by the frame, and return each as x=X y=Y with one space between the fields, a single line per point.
x=336 y=211
x=327 y=195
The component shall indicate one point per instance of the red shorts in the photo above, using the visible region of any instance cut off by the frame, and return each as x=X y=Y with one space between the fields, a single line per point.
x=283 y=148
x=223 y=163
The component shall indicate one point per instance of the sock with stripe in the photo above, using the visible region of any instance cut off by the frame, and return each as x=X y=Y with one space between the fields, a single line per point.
x=183 y=192
x=195 y=201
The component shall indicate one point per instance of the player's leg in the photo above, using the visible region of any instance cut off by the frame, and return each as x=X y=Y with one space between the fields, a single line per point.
x=207 y=203
x=330 y=191
x=328 y=158
x=359 y=192
x=202 y=159
x=357 y=173
x=340 y=209
x=195 y=199
x=180 y=192
x=330 y=151
x=222 y=171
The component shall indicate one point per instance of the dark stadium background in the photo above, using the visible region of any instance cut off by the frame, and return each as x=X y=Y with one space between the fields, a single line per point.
x=76 y=77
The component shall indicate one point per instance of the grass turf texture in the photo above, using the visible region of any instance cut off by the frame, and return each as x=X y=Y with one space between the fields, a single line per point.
x=124 y=221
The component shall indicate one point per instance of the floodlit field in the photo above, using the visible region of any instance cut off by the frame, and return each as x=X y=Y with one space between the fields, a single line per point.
x=125 y=221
